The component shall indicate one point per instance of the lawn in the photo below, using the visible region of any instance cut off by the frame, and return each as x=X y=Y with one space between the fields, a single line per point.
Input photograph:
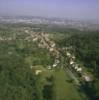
x=64 y=88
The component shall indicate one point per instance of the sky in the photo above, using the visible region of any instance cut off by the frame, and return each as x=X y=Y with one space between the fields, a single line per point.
x=81 y=9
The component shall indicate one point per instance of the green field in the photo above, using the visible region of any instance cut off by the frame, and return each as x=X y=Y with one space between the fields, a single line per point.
x=64 y=89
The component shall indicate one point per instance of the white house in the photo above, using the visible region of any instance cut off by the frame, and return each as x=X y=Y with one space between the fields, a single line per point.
x=71 y=62
x=76 y=67
x=68 y=54
x=87 y=78
x=54 y=65
x=53 y=45
x=51 y=49
x=73 y=57
x=79 y=69
x=37 y=72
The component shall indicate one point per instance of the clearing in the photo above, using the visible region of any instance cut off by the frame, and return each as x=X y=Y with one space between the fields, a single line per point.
x=64 y=86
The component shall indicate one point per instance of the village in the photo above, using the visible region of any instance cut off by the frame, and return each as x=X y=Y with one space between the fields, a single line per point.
x=43 y=41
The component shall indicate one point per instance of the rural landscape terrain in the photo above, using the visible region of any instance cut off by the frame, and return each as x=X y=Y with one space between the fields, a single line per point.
x=48 y=59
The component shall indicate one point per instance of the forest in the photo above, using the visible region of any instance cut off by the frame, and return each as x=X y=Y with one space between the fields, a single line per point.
x=19 y=82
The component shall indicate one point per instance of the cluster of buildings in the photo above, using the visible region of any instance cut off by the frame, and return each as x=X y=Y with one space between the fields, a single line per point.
x=6 y=38
x=44 y=42
x=76 y=67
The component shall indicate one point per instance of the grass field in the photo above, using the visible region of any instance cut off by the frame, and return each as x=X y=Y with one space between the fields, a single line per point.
x=64 y=88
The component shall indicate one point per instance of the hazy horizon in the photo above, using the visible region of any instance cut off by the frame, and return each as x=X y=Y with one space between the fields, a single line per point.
x=78 y=9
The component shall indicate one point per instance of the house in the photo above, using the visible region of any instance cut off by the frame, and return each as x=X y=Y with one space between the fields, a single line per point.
x=51 y=49
x=26 y=31
x=79 y=69
x=54 y=65
x=76 y=67
x=87 y=78
x=53 y=45
x=68 y=54
x=37 y=72
x=73 y=57
x=71 y=62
